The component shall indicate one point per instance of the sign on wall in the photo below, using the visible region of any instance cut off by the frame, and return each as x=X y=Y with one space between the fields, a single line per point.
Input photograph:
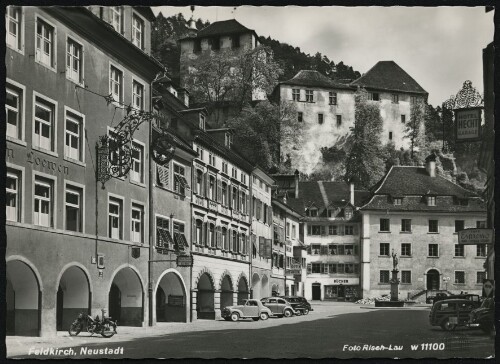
x=184 y=260
x=468 y=124
x=475 y=236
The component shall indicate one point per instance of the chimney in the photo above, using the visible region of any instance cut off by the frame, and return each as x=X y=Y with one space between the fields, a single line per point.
x=351 y=195
x=296 y=183
x=430 y=165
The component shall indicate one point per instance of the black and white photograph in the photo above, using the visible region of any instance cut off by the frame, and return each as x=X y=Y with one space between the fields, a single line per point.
x=249 y=182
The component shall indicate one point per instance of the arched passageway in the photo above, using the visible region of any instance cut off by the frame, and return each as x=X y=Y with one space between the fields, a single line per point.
x=23 y=299
x=126 y=298
x=170 y=299
x=226 y=292
x=73 y=297
x=256 y=286
x=432 y=279
x=242 y=290
x=205 y=298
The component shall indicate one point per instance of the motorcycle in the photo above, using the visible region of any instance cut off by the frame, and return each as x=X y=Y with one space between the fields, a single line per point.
x=106 y=327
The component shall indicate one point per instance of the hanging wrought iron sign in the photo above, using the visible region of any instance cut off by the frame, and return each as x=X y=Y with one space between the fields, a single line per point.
x=114 y=157
x=163 y=148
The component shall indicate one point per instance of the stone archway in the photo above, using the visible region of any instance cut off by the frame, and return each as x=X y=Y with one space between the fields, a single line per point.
x=205 y=297
x=265 y=292
x=432 y=279
x=126 y=298
x=226 y=292
x=243 y=293
x=23 y=298
x=73 y=296
x=256 y=286
x=171 y=299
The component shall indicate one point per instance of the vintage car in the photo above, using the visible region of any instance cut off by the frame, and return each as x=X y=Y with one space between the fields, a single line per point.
x=299 y=304
x=253 y=309
x=278 y=306
x=484 y=316
x=451 y=313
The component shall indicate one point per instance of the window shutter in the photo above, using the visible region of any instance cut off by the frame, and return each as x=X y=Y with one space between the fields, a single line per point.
x=309 y=268
x=159 y=173
x=219 y=191
x=229 y=196
x=323 y=230
x=193 y=232
x=340 y=229
x=262 y=247
x=324 y=250
x=218 y=240
x=356 y=248
x=324 y=268
x=247 y=205
x=238 y=245
x=230 y=239
x=205 y=182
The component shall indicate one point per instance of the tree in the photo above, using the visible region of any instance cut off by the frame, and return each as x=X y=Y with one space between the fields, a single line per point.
x=365 y=161
x=433 y=123
x=222 y=77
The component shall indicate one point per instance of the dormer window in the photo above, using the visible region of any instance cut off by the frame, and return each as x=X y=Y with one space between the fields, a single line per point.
x=398 y=201
x=431 y=200
x=117 y=18
x=348 y=213
x=202 y=122
x=331 y=213
x=228 y=140
x=313 y=212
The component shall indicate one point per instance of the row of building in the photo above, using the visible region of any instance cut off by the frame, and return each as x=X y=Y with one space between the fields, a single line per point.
x=193 y=226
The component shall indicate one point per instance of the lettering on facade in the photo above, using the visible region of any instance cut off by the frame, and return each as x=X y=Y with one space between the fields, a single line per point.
x=51 y=166
x=468 y=124
x=475 y=236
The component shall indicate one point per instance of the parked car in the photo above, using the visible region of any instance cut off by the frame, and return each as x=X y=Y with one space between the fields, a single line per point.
x=471 y=297
x=484 y=316
x=253 y=309
x=299 y=304
x=438 y=296
x=451 y=313
x=278 y=306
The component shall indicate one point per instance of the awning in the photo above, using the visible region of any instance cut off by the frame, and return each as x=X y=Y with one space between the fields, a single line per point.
x=165 y=239
x=180 y=241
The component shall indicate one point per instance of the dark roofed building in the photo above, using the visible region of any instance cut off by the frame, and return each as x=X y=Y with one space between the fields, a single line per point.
x=312 y=78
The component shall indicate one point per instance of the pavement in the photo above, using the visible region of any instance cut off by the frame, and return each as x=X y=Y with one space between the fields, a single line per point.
x=332 y=330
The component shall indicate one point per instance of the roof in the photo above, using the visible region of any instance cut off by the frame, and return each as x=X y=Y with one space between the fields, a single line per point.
x=223 y=27
x=311 y=78
x=388 y=75
x=418 y=203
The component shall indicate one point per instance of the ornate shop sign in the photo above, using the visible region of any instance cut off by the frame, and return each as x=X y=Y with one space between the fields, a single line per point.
x=184 y=260
x=475 y=236
x=468 y=124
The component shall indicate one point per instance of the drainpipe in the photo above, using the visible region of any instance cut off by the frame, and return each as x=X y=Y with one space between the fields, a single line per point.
x=151 y=212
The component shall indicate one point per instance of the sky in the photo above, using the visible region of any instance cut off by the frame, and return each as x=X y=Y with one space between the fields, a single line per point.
x=440 y=47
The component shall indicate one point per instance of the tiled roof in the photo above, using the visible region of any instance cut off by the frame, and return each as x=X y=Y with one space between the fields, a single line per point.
x=388 y=75
x=222 y=28
x=416 y=203
x=311 y=78
x=404 y=181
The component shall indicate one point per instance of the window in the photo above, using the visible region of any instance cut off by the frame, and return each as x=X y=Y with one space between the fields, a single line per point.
x=316 y=230
x=300 y=116
x=74 y=61
x=211 y=235
x=313 y=212
x=43 y=202
x=332 y=230
x=433 y=226
x=349 y=230
x=179 y=237
x=481 y=250
x=234 y=204
x=481 y=224
x=403 y=119
x=199 y=232
x=459 y=250
x=309 y=96
x=202 y=122
x=406 y=249
x=73 y=146
x=243 y=203
x=235 y=241
x=180 y=183
x=163 y=175
x=243 y=178
x=163 y=237
x=349 y=249
x=137 y=170
x=224 y=194
x=224 y=167
x=137 y=95
x=235 y=41
x=459 y=225
x=197 y=46
x=115 y=218
x=13 y=111
x=348 y=214
x=431 y=200
x=333 y=98
x=137 y=31
x=395 y=98
x=44 y=124
x=433 y=250
x=398 y=201
x=385 y=225
x=390 y=135
x=294 y=232
x=117 y=18
x=234 y=173
x=116 y=84
x=375 y=96
x=406 y=225
x=211 y=187
x=332 y=250
x=406 y=276
x=296 y=94
x=339 y=120
x=384 y=276
x=320 y=118
x=13 y=196
x=384 y=249
x=73 y=206
x=45 y=44
x=315 y=249
x=480 y=277
x=13 y=27
x=228 y=139
x=459 y=277
x=287 y=230
x=316 y=268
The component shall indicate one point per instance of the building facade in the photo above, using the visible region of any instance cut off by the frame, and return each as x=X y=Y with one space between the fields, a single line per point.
x=416 y=214
x=96 y=240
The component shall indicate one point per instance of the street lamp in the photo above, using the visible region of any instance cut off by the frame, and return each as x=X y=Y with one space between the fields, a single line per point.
x=446 y=280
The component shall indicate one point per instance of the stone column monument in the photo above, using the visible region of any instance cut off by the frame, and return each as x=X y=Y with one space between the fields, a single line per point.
x=394 y=279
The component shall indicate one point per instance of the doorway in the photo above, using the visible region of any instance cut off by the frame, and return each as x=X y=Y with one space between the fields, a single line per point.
x=432 y=280
x=316 y=291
